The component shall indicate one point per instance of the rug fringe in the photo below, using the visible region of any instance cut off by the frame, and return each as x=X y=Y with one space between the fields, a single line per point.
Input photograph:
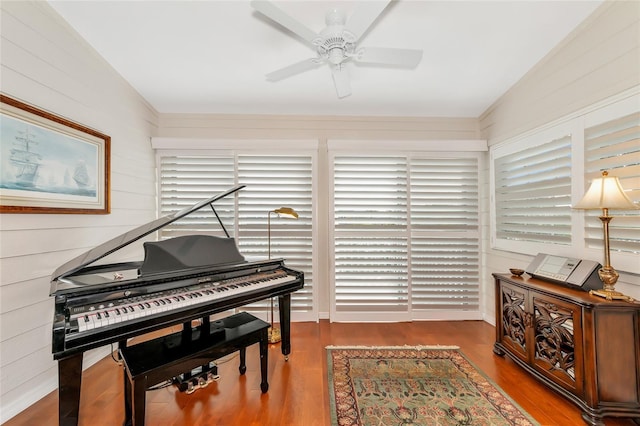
x=417 y=347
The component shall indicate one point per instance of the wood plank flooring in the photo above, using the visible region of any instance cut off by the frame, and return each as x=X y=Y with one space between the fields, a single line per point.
x=298 y=392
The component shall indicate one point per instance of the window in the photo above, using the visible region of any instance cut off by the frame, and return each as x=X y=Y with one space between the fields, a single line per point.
x=371 y=239
x=406 y=238
x=614 y=145
x=533 y=191
x=272 y=181
x=537 y=177
x=185 y=180
x=445 y=237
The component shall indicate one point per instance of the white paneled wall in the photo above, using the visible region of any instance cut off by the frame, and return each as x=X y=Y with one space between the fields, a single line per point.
x=44 y=63
x=598 y=60
x=595 y=63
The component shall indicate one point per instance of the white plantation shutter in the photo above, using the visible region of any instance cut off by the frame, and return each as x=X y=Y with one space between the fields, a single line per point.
x=272 y=181
x=615 y=146
x=370 y=240
x=533 y=193
x=275 y=181
x=186 y=180
x=371 y=274
x=406 y=236
x=445 y=238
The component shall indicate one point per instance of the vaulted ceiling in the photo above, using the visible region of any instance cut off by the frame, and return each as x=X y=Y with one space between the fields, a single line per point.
x=212 y=56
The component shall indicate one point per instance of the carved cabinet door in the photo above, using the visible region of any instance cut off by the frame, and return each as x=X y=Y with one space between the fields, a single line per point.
x=516 y=321
x=557 y=341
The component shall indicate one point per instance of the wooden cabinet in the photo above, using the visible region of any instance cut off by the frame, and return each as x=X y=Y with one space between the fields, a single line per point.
x=584 y=347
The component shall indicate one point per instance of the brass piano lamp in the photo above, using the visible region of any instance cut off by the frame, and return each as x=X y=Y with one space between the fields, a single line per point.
x=606 y=193
x=274 y=334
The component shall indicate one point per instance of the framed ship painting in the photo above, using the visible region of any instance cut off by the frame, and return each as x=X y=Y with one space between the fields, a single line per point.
x=50 y=164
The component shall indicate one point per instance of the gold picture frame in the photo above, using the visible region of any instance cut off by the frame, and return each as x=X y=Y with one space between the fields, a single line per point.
x=50 y=164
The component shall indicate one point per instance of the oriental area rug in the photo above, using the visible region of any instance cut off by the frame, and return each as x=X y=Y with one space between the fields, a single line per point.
x=414 y=385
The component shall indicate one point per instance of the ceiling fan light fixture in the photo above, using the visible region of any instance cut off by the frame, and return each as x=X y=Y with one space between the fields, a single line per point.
x=336 y=55
x=335 y=17
x=337 y=42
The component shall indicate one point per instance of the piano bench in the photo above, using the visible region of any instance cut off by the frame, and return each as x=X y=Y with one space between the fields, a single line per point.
x=152 y=362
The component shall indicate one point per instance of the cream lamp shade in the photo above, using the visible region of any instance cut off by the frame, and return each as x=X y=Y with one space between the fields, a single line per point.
x=605 y=193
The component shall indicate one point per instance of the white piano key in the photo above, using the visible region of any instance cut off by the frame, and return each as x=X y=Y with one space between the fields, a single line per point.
x=178 y=300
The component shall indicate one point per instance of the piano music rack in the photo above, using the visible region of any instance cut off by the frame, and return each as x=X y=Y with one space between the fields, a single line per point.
x=155 y=361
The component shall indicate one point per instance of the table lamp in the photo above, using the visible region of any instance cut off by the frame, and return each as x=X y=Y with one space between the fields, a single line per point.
x=606 y=193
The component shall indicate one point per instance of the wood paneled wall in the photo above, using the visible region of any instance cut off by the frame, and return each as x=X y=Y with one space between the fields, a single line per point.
x=46 y=64
x=220 y=126
x=600 y=60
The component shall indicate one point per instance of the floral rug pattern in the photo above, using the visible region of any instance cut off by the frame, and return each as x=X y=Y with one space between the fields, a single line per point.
x=391 y=386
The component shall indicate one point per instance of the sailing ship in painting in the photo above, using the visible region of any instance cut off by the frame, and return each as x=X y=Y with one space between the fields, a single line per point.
x=33 y=167
x=24 y=159
x=81 y=175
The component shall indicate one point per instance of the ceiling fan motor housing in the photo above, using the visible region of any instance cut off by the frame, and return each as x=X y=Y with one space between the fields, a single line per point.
x=335 y=44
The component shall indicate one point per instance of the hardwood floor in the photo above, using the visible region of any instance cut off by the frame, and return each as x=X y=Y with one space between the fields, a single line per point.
x=298 y=392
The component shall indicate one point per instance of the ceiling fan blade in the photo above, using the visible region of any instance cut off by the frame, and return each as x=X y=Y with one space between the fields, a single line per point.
x=278 y=15
x=390 y=56
x=341 y=80
x=363 y=17
x=293 y=69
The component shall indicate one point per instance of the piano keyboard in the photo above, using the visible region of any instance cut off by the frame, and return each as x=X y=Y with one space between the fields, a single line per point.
x=96 y=317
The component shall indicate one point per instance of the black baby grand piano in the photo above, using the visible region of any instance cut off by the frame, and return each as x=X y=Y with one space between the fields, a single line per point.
x=181 y=279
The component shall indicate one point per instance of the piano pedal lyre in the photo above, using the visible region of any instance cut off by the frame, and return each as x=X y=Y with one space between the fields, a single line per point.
x=198 y=378
x=191 y=387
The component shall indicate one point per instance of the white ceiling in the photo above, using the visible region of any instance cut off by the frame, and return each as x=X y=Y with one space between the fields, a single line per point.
x=212 y=56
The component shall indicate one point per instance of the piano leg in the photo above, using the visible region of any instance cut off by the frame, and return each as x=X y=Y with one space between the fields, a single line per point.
x=284 y=303
x=69 y=382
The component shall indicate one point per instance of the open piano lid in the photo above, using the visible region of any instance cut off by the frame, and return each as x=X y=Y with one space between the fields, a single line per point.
x=104 y=249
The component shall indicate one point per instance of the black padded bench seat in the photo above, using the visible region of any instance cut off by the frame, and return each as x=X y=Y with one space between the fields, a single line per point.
x=152 y=362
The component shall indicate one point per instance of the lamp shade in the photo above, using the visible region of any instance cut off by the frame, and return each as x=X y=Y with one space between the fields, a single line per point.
x=286 y=212
x=605 y=193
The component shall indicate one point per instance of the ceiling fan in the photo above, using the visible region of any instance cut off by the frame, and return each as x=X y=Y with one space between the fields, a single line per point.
x=337 y=44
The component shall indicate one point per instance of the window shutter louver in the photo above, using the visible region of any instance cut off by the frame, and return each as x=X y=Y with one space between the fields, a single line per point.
x=445 y=238
x=272 y=181
x=406 y=235
x=370 y=219
x=533 y=193
x=370 y=193
x=615 y=146
x=186 y=180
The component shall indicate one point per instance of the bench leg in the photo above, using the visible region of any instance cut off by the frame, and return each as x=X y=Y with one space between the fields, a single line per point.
x=243 y=361
x=127 y=400
x=138 y=401
x=264 y=361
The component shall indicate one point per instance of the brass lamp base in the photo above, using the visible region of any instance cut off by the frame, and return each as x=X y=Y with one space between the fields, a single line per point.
x=609 y=277
x=611 y=295
x=273 y=335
